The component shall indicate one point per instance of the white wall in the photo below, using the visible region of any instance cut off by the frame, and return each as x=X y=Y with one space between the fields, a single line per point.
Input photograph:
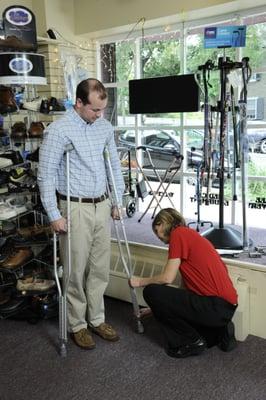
x=97 y=15
x=6 y=3
x=101 y=16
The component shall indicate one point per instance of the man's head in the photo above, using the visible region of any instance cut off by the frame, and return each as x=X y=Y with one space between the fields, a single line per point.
x=91 y=99
x=166 y=220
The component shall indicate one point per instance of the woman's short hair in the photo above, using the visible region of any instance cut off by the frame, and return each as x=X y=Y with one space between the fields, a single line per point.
x=87 y=86
x=171 y=219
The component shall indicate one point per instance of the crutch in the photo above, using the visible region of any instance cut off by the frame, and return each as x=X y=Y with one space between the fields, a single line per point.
x=124 y=252
x=62 y=289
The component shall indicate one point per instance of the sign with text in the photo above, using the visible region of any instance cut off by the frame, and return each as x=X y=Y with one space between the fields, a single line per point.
x=225 y=36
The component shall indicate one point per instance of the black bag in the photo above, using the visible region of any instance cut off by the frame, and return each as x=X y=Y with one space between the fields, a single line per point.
x=141 y=188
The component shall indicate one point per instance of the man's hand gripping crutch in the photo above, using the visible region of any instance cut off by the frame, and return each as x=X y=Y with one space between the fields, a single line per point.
x=123 y=250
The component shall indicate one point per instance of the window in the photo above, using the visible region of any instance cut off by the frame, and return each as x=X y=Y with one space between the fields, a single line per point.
x=182 y=51
x=255 y=108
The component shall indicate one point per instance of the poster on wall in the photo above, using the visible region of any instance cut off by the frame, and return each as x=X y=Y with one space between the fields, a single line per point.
x=19 y=22
x=225 y=36
x=22 y=68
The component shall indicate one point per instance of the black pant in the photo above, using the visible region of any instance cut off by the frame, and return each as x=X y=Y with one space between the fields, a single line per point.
x=185 y=316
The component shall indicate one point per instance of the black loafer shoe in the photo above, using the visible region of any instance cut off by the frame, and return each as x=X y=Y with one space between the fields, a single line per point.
x=191 y=349
x=228 y=341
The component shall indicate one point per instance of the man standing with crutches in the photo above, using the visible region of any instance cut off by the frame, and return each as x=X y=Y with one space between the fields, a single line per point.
x=90 y=208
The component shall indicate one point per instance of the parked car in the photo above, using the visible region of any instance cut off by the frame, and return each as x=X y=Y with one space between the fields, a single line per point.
x=257 y=140
x=162 y=144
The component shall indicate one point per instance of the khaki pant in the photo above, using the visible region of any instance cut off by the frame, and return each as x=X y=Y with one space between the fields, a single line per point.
x=90 y=262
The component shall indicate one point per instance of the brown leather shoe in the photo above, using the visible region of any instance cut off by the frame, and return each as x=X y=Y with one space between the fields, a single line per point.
x=36 y=130
x=17 y=258
x=35 y=230
x=14 y=43
x=19 y=130
x=7 y=100
x=83 y=339
x=34 y=284
x=106 y=332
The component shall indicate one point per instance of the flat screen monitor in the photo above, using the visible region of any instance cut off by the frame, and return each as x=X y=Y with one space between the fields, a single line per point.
x=225 y=36
x=179 y=93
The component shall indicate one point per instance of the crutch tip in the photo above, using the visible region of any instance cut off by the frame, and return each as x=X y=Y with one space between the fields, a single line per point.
x=140 y=327
x=63 y=350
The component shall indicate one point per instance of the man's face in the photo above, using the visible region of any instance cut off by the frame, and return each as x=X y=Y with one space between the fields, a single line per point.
x=90 y=112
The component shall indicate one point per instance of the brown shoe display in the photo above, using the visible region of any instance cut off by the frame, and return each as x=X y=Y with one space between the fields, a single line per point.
x=7 y=100
x=106 y=332
x=17 y=258
x=36 y=130
x=19 y=130
x=14 y=43
x=33 y=284
x=83 y=339
x=35 y=230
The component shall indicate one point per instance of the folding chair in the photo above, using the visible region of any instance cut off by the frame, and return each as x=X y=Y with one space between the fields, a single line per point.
x=164 y=181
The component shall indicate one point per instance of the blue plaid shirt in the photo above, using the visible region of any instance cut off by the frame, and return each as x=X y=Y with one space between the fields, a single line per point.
x=88 y=172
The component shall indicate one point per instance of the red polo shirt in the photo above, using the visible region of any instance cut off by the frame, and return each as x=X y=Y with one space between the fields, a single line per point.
x=202 y=268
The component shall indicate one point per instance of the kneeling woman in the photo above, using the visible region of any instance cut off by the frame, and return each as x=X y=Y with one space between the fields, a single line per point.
x=200 y=314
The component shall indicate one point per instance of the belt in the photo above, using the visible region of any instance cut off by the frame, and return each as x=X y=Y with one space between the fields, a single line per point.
x=85 y=199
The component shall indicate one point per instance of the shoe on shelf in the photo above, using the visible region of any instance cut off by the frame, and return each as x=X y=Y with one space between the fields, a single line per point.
x=55 y=106
x=7 y=100
x=34 y=284
x=6 y=212
x=4 y=177
x=33 y=105
x=5 y=162
x=13 y=155
x=228 y=341
x=34 y=156
x=83 y=339
x=8 y=228
x=17 y=203
x=36 y=130
x=25 y=182
x=35 y=230
x=14 y=43
x=19 y=130
x=4 y=189
x=44 y=107
x=187 y=350
x=17 y=174
x=105 y=331
x=17 y=258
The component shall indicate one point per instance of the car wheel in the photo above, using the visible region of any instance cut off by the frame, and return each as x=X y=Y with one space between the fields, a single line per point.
x=263 y=146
